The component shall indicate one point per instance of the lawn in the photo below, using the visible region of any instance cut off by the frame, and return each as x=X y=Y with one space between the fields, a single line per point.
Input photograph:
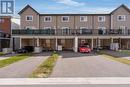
x=13 y=59
x=1 y=53
x=114 y=58
x=45 y=69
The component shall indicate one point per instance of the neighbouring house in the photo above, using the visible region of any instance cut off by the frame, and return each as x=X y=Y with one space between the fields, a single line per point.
x=15 y=24
x=69 y=31
x=5 y=32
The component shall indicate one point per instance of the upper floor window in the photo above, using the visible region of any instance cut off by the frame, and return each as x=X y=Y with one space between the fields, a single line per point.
x=29 y=27
x=65 y=19
x=83 y=18
x=1 y=20
x=101 y=18
x=47 y=19
x=29 y=18
x=121 y=18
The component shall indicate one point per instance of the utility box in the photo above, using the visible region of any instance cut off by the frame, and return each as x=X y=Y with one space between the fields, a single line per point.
x=59 y=47
x=7 y=50
x=114 y=46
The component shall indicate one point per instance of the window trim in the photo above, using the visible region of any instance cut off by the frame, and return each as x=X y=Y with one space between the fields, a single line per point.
x=50 y=18
x=28 y=16
x=31 y=27
x=64 y=21
x=102 y=27
x=47 y=27
x=86 y=17
x=123 y=16
x=103 y=19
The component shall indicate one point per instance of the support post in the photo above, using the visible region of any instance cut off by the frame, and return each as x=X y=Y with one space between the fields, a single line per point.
x=92 y=44
x=20 y=39
x=76 y=44
x=56 y=44
x=38 y=42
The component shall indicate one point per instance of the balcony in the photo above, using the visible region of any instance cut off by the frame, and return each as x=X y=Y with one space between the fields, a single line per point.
x=71 y=32
x=4 y=35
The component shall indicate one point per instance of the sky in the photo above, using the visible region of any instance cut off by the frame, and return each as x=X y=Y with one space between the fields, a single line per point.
x=71 y=6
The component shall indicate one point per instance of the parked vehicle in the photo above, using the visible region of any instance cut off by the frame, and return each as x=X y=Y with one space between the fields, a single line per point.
x=21 y=50
x=26 y=49
x=84 y=49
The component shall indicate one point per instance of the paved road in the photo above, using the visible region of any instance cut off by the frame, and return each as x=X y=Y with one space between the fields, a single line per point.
x=84 y=65
x=23 y=68
x=68 y=86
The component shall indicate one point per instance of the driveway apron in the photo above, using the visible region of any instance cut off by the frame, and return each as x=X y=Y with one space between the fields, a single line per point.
x=23 y=68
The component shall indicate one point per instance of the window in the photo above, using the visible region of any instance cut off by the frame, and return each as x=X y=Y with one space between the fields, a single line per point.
x=29 y=27
x=29 y=18
x=65 y=19
x=1 y=20
x=122 y=27
x=47 y=19
x=102 y=30
x=121 y=18
x=65 y=30
x=101 y=18
x=83 y=18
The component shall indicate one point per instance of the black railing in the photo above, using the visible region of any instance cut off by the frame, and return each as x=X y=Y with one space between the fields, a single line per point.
x=71 y=32
x=4 y=35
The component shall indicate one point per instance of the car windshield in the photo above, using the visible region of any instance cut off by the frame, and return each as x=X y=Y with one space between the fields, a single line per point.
x=85 y=46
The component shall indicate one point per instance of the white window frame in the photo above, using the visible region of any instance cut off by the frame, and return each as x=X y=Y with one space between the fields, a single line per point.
x=86 y=18
x=123 y=16
x=47 y=27
x=103 y=20
x=64 y=28
x=63 y=20
x=30 y=27
x=29 y=16
x=50 y=19
x=122 y=27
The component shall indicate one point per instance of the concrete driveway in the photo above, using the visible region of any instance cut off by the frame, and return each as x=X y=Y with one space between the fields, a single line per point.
x=23 y=68
x=88 y=65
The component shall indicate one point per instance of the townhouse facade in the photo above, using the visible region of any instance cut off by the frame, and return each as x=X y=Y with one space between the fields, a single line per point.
x=69 y=31
x=5 y=32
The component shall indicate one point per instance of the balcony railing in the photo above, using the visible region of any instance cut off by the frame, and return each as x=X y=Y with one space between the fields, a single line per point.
x=4 y=35
x=71 y=32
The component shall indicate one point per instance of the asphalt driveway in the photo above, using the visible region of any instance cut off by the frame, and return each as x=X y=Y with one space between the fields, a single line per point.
x=23 y=68
x=88 y=65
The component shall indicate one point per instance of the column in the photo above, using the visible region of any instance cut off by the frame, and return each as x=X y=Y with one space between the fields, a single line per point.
x=56 y=45
x=111 y=40
x=92 y=44
x=38 y=42
x=20 y=42
x=99 y=42
x=76 y=44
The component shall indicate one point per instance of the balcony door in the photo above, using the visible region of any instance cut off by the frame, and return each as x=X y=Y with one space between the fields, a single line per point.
x=101 y=30
x=65 y=30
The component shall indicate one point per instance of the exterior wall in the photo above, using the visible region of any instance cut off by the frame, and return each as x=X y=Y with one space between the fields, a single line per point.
x=25 y=23
x=121 y=11
x=51 y=24
x=105 y=24
x=88 y=24
x=6 y=25
x=69 y=24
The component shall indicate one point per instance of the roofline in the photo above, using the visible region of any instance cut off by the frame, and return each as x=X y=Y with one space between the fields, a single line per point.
x=27 y=6
x=119 y=7
x=70 y=14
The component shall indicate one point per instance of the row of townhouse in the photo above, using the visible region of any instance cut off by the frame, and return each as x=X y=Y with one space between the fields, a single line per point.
x=69 y=31
x=5 y=32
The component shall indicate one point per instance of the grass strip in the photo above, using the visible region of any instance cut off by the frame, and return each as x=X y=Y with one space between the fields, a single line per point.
x=1 y=54
x=119 y=59
x=13 y=59
x=45 y=69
